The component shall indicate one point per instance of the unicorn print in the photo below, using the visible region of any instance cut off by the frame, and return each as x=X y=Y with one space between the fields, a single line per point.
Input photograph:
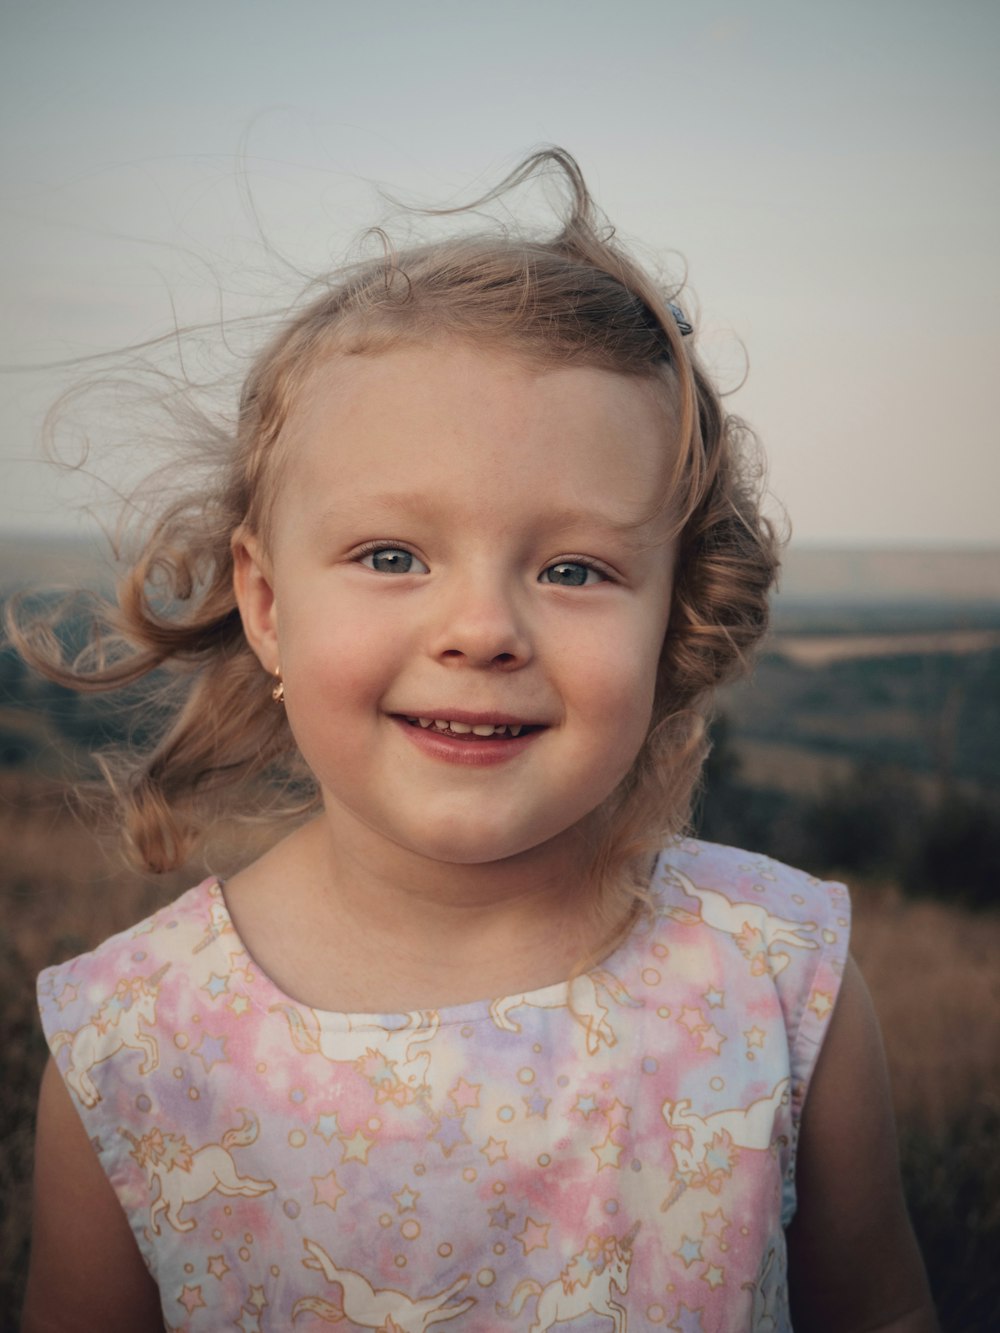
x=755 y=930
x=581 y=997
x=584 y=1286
x=115 y=1026
x=390 y=1058
x=386 y=1310
x=714 y=1139
x=184 y=1175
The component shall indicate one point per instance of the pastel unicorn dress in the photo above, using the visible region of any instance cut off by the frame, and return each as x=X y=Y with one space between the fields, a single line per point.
x=616 y=1153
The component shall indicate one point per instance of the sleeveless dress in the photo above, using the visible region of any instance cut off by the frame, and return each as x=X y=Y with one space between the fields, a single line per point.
x=615 y=1153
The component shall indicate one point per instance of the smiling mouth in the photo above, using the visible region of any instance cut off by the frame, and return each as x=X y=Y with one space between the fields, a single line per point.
x=472 y=730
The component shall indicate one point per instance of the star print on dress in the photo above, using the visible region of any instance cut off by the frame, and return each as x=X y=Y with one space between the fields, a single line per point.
x=615 y=1150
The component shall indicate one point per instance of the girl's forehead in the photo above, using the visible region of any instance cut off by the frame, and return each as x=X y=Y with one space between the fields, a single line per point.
x=456 y=424
x=454 y=394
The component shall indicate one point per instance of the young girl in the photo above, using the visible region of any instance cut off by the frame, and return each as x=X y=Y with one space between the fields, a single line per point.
x=486 y=1041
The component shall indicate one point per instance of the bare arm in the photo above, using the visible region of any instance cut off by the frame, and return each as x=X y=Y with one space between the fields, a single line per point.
x=854 y=1266
x=86 y=1273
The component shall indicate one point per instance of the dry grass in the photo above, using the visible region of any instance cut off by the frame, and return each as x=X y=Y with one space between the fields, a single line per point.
x=934 y=977
x=933 y=972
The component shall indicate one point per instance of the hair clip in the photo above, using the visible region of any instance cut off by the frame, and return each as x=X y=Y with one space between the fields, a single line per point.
x=679 y=319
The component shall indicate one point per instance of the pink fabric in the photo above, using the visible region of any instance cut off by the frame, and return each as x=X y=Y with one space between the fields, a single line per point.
x=624 y=1153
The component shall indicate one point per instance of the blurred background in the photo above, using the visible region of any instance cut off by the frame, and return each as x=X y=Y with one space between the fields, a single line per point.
x=823 y=178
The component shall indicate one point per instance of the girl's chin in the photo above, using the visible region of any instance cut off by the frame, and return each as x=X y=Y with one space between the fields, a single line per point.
x=477 y=847
x=478 y=852
x=488 y=845
x=461 y=828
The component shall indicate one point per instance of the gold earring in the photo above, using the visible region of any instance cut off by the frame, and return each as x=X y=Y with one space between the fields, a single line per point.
x=278 y=693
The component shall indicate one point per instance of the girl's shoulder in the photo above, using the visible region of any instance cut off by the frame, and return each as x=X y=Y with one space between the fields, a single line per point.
x=127 y=966
x=703 y=876
x=769 y=929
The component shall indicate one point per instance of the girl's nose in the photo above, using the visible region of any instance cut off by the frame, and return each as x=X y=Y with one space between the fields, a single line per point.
x=482 y=624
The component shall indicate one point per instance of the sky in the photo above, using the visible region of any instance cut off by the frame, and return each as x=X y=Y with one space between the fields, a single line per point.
x=824 y=174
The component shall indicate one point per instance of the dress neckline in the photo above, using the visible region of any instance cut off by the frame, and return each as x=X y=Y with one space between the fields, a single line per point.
x=267 y=995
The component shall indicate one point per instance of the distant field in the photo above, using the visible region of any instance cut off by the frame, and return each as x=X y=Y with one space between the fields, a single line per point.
x=819 y=650
x=925 y=704
x=793 y=768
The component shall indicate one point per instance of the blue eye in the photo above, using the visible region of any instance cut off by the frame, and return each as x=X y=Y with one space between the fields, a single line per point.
x=393 y=560
x=571 y=574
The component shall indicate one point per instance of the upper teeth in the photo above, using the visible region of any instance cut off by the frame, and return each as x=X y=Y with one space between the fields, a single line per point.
x=464 y=728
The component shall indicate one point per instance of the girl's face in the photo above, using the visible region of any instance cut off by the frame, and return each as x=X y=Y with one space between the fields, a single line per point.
x=462 y=539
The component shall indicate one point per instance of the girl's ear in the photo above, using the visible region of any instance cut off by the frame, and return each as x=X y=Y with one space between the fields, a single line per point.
x=255 y=598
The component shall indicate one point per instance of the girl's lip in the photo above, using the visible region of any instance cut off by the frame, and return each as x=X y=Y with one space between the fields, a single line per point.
x=471 y=750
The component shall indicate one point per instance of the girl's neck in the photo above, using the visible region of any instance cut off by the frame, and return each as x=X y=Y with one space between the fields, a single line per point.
x=344 y=922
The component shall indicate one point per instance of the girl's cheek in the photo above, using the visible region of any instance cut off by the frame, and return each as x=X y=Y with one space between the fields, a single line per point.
x=347 y=660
